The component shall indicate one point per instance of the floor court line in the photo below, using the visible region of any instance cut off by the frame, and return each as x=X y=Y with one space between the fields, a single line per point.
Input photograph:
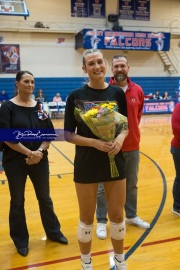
x=62 y=154
x=155 y=219
x=141 y=239
x=93 y=255
x=138 y=242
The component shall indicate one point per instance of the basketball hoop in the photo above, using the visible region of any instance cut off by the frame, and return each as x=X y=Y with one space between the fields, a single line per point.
x=6 y=5
x=13 y=8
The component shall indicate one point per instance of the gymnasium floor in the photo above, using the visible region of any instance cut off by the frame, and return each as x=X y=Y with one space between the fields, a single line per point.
x=156 y=248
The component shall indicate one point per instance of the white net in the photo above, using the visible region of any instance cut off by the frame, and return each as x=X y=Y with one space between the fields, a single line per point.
x=6 y=5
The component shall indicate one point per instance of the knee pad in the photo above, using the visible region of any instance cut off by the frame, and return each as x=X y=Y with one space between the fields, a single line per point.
x=117 y=230
x=84 y=232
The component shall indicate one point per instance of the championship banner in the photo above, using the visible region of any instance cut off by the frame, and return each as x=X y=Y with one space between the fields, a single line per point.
x=134 y=10
x=10 y=58
x=88 y=8
x=97 y=9
x=122 y=40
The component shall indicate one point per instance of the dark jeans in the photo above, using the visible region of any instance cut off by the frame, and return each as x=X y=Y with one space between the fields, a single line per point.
x=176 y=186
x=39 y=175
x=132 y=159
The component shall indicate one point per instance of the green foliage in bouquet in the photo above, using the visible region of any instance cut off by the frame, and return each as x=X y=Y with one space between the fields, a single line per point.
x=105 y=122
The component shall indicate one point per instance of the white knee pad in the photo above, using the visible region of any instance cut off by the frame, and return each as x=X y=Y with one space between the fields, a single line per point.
x=117 y=230
x=84 y=232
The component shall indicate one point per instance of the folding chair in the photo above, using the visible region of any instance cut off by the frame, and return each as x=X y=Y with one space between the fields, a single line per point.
x=61 y=108
x=53 y=109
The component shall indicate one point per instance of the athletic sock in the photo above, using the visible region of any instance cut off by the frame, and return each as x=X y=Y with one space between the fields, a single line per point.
x=119 y=257
x=86 y=258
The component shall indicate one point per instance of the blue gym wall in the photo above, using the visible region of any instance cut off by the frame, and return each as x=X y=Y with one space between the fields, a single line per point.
x=64 y=86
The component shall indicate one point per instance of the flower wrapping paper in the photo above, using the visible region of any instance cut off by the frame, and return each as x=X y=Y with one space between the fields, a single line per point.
x=104 y=121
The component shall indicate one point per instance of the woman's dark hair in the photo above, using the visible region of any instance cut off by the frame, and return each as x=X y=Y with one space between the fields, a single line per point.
x=19 y=77
x=21 y=73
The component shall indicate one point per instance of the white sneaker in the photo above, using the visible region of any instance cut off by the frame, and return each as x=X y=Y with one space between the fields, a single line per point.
x=137 y=222
x=119 y=265
x=101 y=231
x=86 y=266
x=176 y=211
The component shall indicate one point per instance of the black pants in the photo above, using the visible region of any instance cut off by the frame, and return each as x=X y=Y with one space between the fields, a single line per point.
x=176 y=186
x=16 y=172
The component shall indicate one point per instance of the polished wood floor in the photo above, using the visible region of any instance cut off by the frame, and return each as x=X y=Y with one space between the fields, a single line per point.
x=156 y=248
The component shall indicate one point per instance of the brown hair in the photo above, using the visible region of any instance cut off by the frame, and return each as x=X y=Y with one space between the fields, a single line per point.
x=19 y=77
x=117 y=56
x=88 y=52
x=21 y=73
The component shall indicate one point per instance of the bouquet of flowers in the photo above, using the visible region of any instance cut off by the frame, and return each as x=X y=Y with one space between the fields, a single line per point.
x=104 y=121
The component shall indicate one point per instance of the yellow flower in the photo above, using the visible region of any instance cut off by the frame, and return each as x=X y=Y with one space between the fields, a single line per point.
x=110 y=106
x=91 y=113
x=104 y=105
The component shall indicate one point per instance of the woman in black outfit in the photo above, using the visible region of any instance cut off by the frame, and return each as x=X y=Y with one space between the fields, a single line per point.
x=27 y=158
x=91 y=164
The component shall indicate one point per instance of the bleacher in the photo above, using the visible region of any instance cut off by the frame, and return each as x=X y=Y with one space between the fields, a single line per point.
x=64 y=86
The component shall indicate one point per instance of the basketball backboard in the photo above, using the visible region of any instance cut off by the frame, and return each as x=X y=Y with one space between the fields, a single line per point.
x=13 y=8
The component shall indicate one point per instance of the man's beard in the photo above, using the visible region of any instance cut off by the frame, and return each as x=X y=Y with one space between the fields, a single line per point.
x=120 y=77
